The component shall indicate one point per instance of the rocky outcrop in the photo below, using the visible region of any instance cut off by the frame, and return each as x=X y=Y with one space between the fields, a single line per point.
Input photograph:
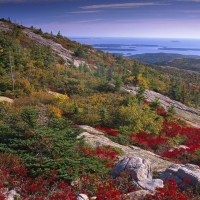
x=82 y=197
x=97 y=138
x=184 y=174
x=137 y=195
x=190 y=115
x=67 y=55
x=4 y=27
x=139 y=171
x=58 y=48
x=183 y=147
x=64 y=53
x=6 y=99
x=77 y=63
x=9 y=195
x=151 y=185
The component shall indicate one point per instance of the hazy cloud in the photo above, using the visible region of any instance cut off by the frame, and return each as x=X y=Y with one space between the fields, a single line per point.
x=85 y=11
x=121 y=5
x=156 y=21
x=86 y=21
x=189 y=11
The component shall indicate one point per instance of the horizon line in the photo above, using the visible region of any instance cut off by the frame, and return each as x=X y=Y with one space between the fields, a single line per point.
x=84 y=37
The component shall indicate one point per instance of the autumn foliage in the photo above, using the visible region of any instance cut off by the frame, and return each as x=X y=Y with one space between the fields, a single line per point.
x=41 y=156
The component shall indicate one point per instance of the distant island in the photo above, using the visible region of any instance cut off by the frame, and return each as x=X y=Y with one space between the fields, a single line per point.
x=113 y=49
x=83 y=38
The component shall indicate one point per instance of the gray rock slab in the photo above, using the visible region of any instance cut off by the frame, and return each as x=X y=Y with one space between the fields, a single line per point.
x=182 y=173
x=82 y=197
x=138 y=195
x=168 y=176
x=97 y=138
x=58 y=48
x=173 y=168
x=192 y=174
x=151 y=184
x=120 y=167
x=138 y=168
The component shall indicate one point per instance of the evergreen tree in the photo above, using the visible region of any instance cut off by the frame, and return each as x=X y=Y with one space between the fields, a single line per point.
x=155 y=103
x=175 y=91
x=110 y=73
x=79 y=52
x=140 y=95
x=103 y=116
x=118 y=83
x=171 y=110
x=136 y=69
x=58 y=34
x=30 y=116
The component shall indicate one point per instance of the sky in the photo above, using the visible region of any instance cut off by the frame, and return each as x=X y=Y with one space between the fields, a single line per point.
x=108 y=18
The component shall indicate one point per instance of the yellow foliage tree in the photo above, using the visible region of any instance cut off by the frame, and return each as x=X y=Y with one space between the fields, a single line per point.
x=142 y=82
x=23 y=87
x=139 y=119
x=53 y=112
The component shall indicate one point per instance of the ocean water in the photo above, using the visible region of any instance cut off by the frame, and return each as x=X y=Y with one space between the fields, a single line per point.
x=132 y=46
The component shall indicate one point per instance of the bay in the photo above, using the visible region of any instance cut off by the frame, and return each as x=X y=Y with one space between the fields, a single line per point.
x=133 y=46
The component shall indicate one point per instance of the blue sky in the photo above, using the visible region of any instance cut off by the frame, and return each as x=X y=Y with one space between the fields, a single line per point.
x=108 y=18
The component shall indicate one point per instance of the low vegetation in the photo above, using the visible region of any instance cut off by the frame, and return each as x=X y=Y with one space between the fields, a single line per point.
x=41 y=157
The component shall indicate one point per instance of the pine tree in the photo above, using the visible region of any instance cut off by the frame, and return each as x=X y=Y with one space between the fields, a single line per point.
x=140 y=95
x=103 y=116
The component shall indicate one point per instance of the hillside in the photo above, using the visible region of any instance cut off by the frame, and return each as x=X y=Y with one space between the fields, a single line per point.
x=191 y=64
x=161 y=58
x=188 y=114
x=69 y=113
x=66 y=53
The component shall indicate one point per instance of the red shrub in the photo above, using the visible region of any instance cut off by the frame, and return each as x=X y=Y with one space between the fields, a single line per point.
x=108 y=192
x=161 y=111
x=169 y=192
x=106 y=154
x=146 y=102
x=38 y=189
x=147 y=141
x=108 y=131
